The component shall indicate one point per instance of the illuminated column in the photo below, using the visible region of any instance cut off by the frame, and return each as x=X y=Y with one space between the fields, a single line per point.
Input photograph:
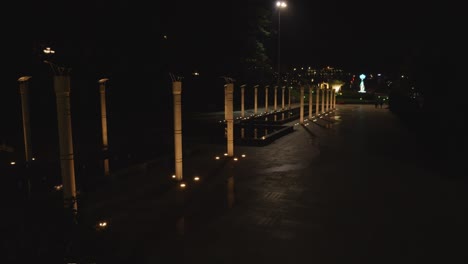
x=275 y=98
x=310 y=102
x=301 y=110
x=266 y=99
x=177 y=94
x=333 y=98
x=23 y=87
x=105 y=144
x=282 y=97
x=323 y=97
x=335 y=88
x=327 y=99
x=242 y=100
x=229 y=116
x=289 y=98
x=67 y=163
x=255 y=99
x=317 y=100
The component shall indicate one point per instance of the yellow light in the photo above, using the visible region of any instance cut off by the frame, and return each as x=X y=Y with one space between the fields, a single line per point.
x=12 y=163
x=102 y=224
x=183 y=185
x=33 y=158
x=58 y=187
x=196 y=178
x=217 y=158
x=225 y=154
x=235 y=159
x=173 y=176
x=243 y=155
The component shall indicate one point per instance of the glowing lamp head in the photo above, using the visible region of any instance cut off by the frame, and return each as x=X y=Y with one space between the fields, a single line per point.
x=362 y=76
x=281 y=4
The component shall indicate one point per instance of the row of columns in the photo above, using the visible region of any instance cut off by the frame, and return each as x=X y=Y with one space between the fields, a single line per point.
x=62 y=90
x=275 y=103
x=328 y=99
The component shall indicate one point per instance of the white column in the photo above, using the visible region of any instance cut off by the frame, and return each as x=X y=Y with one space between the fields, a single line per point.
x=289 y=98
x=105 y=144
x=275 y=98
x=323 y=97
x=24 y=92
x=67 y=163
x=327 y=99
x=334 y=100
x=177 y=94
x=317 y=100
x=301 y=110
x=229 y=116
x=266 y=99
x=310 y=102
x=282 y=97
x=242 y=100
x=255 y=99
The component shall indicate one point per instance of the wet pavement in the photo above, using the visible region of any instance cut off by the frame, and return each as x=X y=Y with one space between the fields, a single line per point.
x=355 y=186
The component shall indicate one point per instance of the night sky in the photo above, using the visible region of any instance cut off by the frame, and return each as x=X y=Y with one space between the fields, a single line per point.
x=353 y=35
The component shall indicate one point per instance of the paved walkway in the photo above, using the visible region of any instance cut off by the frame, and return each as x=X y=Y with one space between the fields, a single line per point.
x=358 y=188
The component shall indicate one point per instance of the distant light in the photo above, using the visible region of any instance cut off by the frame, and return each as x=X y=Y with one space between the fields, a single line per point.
x=102 y=224
x=165 y=36
x=196 y=74
x=196 y=178
x=243 y=155
x=12 y=163
x=173 y=176
x=33 y=158
x=58 y=187
x=48 y=50
x=217 y=157
x=182 y=185
x=378 y=74
x=225 y=154
x=235 y=159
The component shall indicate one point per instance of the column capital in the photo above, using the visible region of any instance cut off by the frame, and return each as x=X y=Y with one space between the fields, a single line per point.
x=229 y=87
x=24 y=78
x=177 y=87
x=103 y=80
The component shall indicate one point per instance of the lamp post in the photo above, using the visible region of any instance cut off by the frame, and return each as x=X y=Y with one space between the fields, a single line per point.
x=280 y=5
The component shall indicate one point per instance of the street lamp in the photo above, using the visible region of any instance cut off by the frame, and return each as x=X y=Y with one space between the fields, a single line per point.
x=280 y=5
